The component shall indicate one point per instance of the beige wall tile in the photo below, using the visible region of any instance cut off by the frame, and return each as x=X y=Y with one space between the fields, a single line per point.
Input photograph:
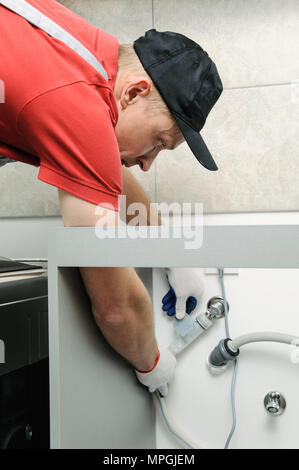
x=253 y=137
x=125 y=19
x=252 y=42
x=23 y=195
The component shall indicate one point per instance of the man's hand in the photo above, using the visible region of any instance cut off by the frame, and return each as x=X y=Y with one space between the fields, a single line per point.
x=160 y=375
x=186 y=287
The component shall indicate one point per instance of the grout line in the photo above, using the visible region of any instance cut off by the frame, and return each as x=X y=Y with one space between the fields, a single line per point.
x=152 y=13
x=155 y=180
x=259 y=86
x=155 y=166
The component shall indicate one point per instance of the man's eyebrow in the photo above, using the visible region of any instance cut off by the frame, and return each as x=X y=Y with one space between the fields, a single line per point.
x=171 y=139
x=174 y=138
x=174 y=143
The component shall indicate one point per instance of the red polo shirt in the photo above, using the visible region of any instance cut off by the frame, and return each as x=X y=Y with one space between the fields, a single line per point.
x=59 y=113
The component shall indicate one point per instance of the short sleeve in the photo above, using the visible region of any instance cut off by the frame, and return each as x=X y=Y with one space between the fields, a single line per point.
x=71 y=130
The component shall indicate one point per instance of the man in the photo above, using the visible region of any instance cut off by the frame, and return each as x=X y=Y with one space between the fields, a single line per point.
x=83 y=128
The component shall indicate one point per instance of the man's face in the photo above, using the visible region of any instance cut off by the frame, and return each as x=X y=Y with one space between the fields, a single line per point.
x=141 y=137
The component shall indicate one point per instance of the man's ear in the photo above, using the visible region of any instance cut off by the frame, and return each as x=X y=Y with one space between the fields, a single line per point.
x=134 y=90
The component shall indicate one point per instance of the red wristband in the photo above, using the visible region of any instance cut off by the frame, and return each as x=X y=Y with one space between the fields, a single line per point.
x=146 y=371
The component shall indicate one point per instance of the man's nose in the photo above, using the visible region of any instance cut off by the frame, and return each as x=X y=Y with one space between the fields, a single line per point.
x=147 y=160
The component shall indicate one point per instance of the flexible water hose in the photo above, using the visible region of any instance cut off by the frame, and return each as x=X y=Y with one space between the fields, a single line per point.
x=263 y=336
x=172 y=427
x=234 y=377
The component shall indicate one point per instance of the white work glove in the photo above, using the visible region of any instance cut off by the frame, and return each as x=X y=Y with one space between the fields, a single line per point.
x=161 y=374
x=186 y=287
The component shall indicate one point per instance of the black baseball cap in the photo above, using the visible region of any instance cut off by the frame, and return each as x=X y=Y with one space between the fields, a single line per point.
x=188 y=81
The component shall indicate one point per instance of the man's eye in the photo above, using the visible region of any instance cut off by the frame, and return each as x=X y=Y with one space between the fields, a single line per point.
x=156 y=146
x=162 y=144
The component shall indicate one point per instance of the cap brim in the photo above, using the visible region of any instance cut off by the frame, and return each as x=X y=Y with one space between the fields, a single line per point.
x=197 y=145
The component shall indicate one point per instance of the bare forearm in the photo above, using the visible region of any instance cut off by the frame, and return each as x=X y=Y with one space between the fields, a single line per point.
x=134 y=192
x=132 y=336
x=122 y=309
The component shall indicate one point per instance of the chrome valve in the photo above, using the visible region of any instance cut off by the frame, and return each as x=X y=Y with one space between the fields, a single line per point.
x=215 y=308
x=274 y=403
